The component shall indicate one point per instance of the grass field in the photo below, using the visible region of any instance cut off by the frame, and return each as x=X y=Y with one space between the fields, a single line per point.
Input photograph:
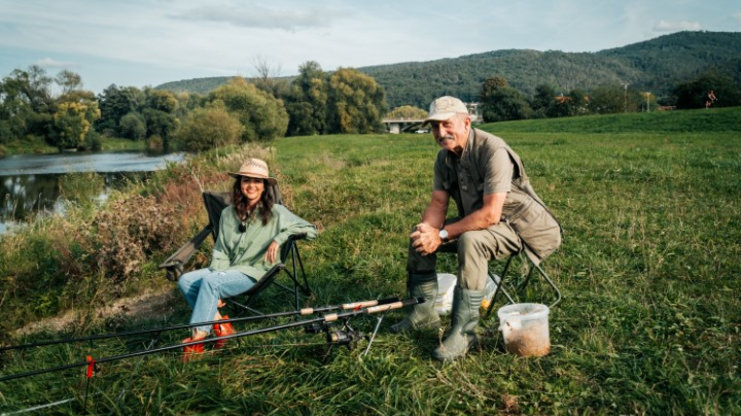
x=649 y=270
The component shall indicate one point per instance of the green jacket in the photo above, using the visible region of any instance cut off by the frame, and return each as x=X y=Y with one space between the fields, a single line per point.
x=245 y=251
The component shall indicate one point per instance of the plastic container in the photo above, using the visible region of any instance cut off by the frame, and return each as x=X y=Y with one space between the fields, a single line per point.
x=525 y=329
x=445 y=287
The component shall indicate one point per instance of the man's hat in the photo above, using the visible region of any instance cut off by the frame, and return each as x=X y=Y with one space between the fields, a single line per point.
x=444 y=108
x=255 y=168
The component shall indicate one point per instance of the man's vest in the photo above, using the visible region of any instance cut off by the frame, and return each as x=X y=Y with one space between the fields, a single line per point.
x=523 y=209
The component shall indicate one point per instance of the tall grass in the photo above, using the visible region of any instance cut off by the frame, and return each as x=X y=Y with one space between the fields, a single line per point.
x=649 y=271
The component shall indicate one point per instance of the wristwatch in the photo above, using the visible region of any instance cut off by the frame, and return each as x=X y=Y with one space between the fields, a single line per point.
x=443 y=234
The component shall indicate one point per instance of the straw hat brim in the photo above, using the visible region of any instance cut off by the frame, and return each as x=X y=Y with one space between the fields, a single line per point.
x=271 y=180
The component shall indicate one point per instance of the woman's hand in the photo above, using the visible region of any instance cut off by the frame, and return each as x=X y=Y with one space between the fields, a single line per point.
x=272 y=254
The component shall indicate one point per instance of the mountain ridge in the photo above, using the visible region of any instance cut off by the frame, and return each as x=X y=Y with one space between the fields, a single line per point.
x=655 y=65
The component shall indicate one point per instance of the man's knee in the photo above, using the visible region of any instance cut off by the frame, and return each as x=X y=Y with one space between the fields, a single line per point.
x=469 y=244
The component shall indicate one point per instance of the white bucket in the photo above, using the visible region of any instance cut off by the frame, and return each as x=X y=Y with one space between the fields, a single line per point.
x=525 y=329
x=445 y=287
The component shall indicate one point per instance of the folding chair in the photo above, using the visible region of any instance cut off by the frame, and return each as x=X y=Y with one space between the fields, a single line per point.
x=215 y=203
x=519 y=281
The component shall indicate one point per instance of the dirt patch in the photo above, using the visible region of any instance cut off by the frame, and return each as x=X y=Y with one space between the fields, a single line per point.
x=151 y=305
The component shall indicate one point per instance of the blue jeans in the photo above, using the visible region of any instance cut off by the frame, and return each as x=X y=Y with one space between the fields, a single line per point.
x=203 y=288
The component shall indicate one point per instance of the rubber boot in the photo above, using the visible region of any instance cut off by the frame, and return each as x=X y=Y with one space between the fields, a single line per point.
x=462 y=335
x=423 y=315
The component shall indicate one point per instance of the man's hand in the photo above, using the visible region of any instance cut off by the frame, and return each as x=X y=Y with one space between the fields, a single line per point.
x=425 y=239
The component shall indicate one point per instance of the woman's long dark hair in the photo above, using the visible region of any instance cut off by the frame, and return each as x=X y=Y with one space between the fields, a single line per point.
x=264 y=207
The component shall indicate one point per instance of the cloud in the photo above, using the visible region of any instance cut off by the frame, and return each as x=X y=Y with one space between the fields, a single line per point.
x=253 y=16
x=53 y=63
x=665 y=26
x=737 y=17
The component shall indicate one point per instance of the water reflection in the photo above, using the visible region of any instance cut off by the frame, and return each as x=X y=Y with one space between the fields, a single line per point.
x=35 y=183
x=25 y=195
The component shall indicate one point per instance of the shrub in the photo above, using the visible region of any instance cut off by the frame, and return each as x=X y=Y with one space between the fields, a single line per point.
x=130 y=230
x=207 y=128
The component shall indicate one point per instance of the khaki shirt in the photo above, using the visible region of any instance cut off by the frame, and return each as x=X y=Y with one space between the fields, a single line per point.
x=487 y=166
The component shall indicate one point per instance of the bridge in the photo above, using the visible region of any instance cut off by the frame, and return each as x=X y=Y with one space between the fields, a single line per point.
x=408 y=125
x=404 y=125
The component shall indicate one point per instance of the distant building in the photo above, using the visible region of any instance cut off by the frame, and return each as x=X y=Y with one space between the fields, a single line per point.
x=474 y=111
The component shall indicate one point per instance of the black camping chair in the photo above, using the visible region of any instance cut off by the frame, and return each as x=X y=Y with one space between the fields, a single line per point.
x=215 y=203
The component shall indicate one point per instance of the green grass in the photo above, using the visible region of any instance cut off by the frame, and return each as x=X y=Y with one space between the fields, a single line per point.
x=649 y=271
x=699 y=121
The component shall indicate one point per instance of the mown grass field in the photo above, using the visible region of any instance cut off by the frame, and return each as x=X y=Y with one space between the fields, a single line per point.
x=649 y=270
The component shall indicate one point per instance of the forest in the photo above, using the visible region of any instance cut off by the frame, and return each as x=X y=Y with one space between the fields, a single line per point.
x=656 y=65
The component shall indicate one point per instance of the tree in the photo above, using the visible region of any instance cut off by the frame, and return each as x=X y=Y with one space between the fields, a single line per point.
x=407 y=112
x=115 y=103
x=542 y=100
x=614 y=99
x=27 y=103
x=15 y=110
x=263 y=117
x=307 y=101
x=266 y=75
x=694 y=93
x=209 y=127
x=500 y=102
x=159 y=110
x=133 y=126
x=73 y=120
x=68 y=80
x=355 y=103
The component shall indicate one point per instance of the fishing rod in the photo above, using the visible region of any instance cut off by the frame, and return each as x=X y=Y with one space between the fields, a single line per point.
x=300 y=312
x=334 y=336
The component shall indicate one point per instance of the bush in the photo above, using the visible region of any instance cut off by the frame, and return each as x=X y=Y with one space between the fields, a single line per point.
x=207 y=128
x=129 y=231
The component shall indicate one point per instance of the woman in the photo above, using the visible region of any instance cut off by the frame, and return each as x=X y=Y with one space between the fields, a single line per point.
x=251 y=231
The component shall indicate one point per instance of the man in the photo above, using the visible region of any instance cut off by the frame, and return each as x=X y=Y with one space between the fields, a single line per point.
x=499 y=214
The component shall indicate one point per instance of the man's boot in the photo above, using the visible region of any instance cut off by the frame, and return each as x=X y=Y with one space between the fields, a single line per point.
x=423 y=315
x=462 y=335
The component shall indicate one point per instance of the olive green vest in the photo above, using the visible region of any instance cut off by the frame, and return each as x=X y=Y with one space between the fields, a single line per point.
x=523 y=209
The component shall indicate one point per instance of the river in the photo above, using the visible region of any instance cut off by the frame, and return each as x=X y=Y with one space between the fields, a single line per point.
x=31 y=183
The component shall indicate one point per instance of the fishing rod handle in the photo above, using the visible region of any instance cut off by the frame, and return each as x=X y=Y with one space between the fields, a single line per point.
x=395 y=305
x=368 y=303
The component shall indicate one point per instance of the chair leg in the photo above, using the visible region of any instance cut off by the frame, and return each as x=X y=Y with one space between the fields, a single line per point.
x=500 y=286
x=544 y=275
x=520 y=287
x=551 y=283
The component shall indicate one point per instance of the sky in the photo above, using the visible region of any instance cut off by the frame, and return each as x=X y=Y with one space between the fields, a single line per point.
x=149 y=42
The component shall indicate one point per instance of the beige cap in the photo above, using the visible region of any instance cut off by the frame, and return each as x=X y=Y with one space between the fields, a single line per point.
x=255 y=168
x=446 y=107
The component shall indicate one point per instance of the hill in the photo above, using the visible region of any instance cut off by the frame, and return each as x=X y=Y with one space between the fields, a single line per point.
x=655 y=65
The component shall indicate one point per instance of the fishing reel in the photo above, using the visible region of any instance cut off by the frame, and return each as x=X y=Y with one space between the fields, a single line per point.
x=342 y=336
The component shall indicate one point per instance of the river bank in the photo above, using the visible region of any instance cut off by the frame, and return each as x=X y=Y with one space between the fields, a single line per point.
x=37 y=146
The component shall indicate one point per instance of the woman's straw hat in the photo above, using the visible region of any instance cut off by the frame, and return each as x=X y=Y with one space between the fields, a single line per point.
x=255 y=168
